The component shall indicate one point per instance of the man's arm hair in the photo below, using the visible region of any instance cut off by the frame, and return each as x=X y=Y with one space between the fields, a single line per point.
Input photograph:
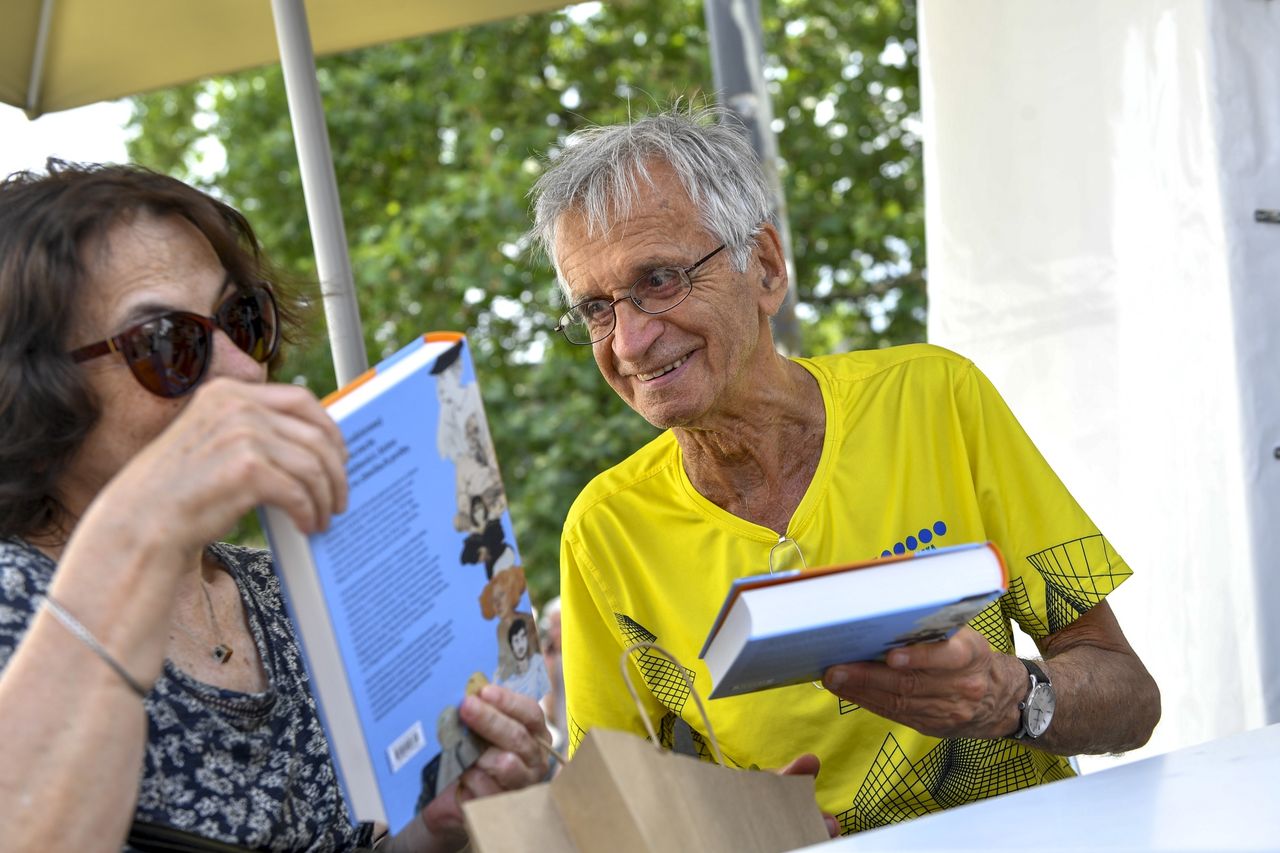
x=1106 y=699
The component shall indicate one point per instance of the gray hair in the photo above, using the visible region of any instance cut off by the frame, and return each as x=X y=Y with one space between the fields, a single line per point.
x=597 y=174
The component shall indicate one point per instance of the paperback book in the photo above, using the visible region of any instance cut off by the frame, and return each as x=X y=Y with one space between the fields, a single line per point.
x=415 y=596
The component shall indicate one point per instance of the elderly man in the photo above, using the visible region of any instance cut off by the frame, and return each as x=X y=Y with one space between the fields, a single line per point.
x=660 y=235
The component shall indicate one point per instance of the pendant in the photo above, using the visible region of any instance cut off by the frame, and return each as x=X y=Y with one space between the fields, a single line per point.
x=222 y=653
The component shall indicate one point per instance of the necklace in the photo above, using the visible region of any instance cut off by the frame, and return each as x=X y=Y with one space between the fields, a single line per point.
x=221 y=652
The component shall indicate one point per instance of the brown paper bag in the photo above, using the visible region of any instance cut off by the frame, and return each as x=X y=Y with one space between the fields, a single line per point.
x=621 y=795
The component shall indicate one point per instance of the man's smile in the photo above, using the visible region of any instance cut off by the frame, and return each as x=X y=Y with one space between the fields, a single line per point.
x=662 y=371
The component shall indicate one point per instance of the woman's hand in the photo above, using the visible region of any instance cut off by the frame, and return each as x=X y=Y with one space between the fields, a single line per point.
x=234 y=446
x=516 y=757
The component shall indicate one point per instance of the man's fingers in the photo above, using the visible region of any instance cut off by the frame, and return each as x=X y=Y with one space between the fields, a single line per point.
x=956 y=652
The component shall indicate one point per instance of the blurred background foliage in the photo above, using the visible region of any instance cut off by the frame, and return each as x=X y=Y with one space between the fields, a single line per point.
x=437 y=140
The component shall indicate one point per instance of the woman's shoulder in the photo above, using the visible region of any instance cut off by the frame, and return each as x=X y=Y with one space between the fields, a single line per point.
x=24 y=570
x=253 y=570
x=25 y=574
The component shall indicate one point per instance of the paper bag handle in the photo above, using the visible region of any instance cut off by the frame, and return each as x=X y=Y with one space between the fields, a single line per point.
x=688 y=680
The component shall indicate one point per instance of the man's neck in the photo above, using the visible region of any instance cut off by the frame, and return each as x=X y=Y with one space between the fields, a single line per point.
x=758 y=466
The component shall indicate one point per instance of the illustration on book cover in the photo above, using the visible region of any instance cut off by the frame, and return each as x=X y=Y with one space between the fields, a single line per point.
x=481 y=516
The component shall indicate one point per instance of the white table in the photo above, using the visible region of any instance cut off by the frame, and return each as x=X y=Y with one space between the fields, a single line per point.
x=1221 y=795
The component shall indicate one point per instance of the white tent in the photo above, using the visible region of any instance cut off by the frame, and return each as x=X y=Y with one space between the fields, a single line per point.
x=1093 y=172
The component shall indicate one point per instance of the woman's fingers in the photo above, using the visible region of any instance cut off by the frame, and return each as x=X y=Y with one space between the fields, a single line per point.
x=516 y=730
x=236 y=445
x=301 y=421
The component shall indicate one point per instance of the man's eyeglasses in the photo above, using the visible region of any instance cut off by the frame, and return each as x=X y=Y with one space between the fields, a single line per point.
x=170 y=354
x=592 y=320
x=786 y=556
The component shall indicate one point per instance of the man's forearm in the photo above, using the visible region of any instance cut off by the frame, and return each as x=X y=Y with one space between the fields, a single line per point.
x=1106 y=701
x=961 y=687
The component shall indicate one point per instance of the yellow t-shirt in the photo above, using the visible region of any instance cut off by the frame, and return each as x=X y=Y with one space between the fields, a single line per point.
x=920 y=451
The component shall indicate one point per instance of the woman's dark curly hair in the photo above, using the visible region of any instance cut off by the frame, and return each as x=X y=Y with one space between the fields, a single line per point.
x=46 y=222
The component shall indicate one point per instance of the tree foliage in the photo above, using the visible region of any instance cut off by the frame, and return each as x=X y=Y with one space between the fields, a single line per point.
x=437 y=140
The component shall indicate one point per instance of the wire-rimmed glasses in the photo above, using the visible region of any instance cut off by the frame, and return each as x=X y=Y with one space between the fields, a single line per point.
x=786 y=556
x=658 y=290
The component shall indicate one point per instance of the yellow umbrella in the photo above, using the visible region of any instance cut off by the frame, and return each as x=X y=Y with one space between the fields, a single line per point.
x=96 y=50
x=58 y=54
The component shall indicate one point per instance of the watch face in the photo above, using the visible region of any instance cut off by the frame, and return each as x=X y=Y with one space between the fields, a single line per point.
x=1039 y=711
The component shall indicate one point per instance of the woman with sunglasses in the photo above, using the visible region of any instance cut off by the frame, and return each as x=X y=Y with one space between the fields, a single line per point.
x=149 y=679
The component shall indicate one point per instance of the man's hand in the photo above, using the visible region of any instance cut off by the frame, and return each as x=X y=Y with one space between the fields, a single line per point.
x=958 y=687
x=516 y=757
x=1106 y=699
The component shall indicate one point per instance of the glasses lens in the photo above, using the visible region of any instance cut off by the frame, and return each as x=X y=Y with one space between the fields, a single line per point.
x=168 y=355
x=588 y=322
x=249 y=320
x=785 y=556
x=660 y=290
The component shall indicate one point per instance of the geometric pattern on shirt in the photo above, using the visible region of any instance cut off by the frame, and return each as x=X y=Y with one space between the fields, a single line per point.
x=954 y=772
x=672 y=729
x=992 y=623
x=1077 y=575
x=576 y=733
x=1016 y=604
x=666 y=681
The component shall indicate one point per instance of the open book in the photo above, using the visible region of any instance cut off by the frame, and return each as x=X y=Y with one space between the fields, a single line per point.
x=787 y=628
x=414 y=597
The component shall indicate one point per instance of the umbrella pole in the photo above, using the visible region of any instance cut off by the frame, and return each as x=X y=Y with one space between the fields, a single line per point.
x=320 y=189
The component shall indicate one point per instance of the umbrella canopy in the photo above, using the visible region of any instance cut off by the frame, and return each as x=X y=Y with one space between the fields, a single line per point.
x=58 y=54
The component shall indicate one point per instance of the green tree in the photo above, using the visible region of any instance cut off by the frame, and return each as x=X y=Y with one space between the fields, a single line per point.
x=437 y=140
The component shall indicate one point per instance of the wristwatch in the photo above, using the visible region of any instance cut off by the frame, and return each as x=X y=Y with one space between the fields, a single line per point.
x=1037 y=708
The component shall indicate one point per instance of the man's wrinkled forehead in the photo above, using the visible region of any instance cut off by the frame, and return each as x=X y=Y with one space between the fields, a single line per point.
x=650 y=187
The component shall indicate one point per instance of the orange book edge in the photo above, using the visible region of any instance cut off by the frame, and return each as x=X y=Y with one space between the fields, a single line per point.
x=428 y=338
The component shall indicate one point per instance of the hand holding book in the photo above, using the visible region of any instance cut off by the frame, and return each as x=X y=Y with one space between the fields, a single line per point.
x=776 y=630
x=513 y=726
x=959 y=687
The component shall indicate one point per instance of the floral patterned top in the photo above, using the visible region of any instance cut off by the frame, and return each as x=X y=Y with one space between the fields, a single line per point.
x=247 y=769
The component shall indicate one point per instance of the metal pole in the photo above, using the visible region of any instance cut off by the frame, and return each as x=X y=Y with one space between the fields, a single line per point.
x=320 y=189
x=35 y=79
x=737 y=54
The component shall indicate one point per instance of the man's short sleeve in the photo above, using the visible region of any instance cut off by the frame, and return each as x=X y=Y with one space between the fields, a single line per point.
x=1060 y=564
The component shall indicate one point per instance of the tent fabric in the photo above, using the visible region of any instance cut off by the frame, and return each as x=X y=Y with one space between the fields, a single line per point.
x=1091 y=179
x=106 y=49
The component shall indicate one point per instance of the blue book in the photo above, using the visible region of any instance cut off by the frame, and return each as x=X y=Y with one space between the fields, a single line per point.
x=415 y=596
x=787 y=628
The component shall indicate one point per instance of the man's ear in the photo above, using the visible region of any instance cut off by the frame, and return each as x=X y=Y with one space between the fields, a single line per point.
x=770 y=268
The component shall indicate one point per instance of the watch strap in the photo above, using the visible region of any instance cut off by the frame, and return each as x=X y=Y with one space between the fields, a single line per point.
x=1034 y=670
x=1035 y=677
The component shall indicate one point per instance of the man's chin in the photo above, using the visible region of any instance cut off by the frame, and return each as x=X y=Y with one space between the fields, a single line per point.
x=664 y=417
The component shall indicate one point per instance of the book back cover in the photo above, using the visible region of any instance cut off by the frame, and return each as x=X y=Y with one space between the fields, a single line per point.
x=421 y=582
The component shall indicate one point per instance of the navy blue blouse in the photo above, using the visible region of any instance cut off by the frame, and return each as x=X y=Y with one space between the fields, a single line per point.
x=248 y=769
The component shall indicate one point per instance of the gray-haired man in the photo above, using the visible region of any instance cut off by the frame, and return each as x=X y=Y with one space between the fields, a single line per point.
x=660 y=235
